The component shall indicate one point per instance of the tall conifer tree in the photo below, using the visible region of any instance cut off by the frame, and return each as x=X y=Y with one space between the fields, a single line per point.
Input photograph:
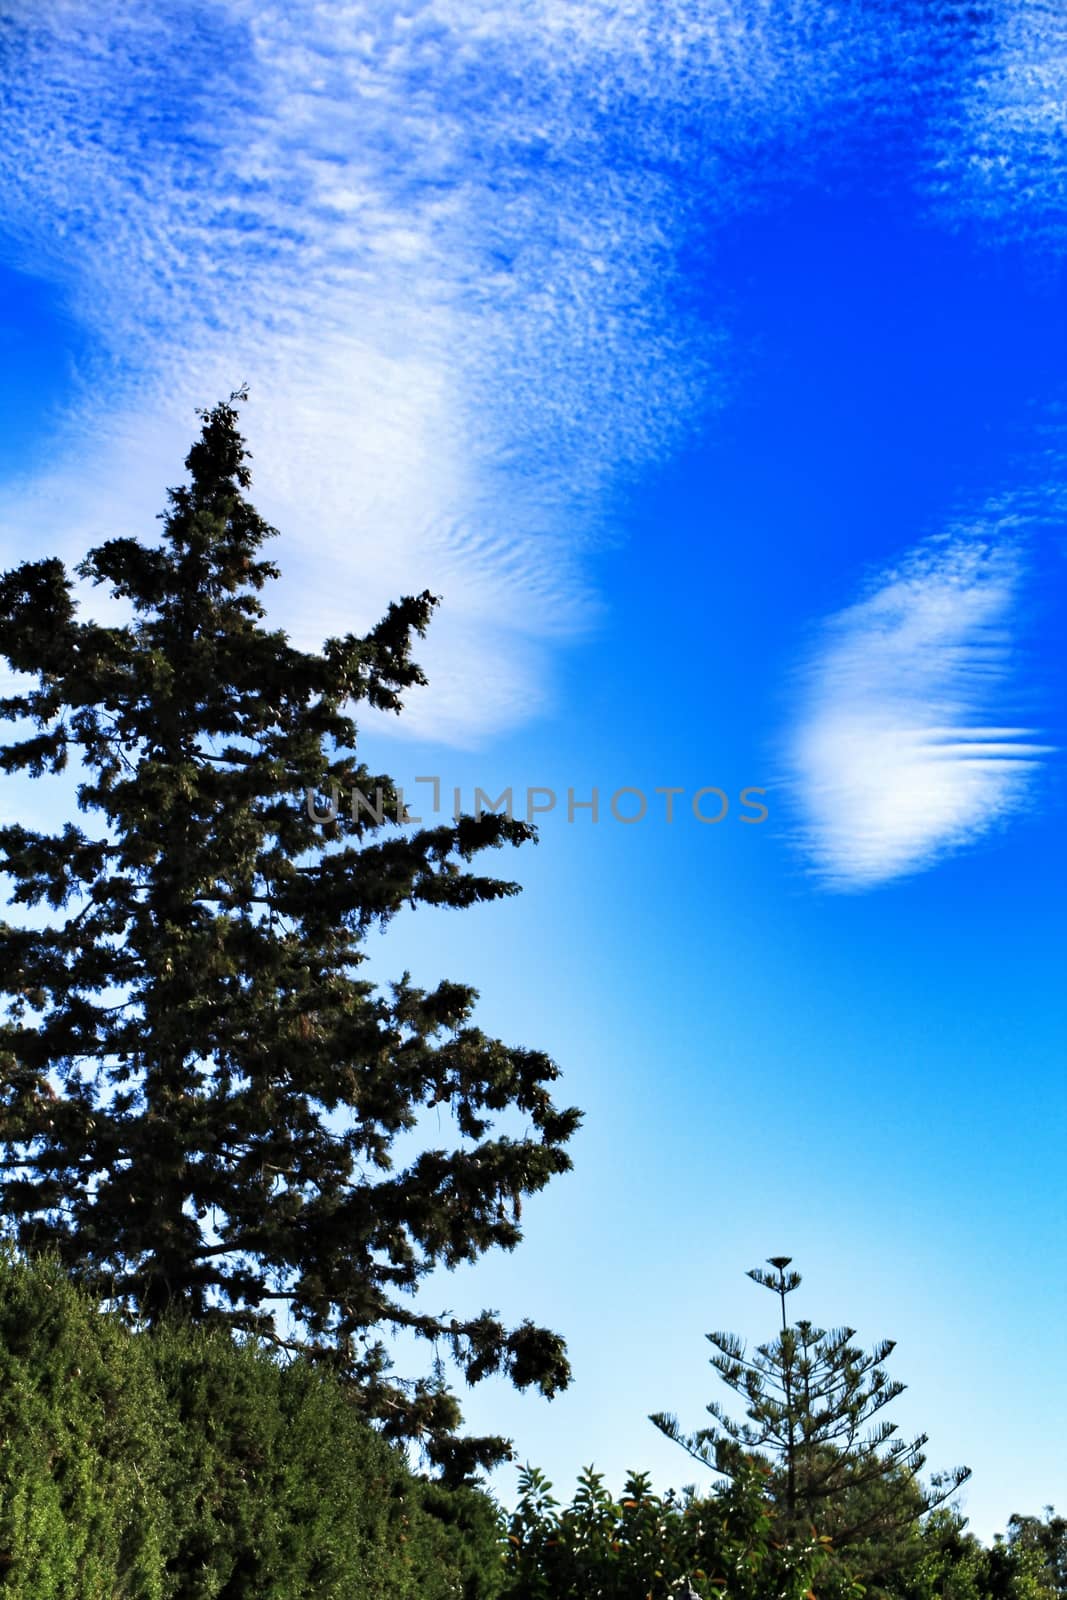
x=201 y=1096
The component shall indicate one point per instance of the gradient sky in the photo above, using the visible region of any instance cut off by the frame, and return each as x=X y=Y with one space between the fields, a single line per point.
x=708 y=360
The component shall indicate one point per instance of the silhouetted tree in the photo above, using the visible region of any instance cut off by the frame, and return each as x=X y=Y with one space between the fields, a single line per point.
x=200 y=1095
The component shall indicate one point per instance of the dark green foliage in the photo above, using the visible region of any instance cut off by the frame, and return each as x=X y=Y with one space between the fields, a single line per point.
x=947 y=1562
x=733 y=1543
x=200 y=1097
x=83 y=1420
x=174 y=1465
x=647 y=1547
x=813 y=1402
x=1037 y=1546
x=285 y=1492
x=951 y=1564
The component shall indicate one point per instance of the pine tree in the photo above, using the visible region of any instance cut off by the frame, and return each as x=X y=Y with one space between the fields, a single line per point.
x=200 y=1094
x=813 y=1403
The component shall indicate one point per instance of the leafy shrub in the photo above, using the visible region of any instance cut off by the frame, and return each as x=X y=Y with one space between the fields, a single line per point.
x=83 y=1424
x=179 y=1465
x=648 y=1547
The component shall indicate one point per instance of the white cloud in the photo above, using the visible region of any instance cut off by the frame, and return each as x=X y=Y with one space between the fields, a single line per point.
x=896 y=756
x=1000 y=146
x=440 y=243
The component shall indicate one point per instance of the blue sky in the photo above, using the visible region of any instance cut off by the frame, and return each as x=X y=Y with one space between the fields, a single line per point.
x=708 y=360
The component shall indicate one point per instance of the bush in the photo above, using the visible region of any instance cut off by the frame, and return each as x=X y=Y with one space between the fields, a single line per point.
x=83 y=1425
x=178 y=1465
x=648 y=1547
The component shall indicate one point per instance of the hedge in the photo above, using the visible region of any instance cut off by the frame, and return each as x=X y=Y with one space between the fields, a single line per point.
x=180 y=1465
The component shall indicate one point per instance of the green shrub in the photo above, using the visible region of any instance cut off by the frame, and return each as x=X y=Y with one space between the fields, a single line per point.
x=83 y=1425
x=651 y=1547
x=179 y=1465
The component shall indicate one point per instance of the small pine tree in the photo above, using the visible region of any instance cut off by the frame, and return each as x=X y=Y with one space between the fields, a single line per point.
x=812 y=1405
x=200 y=1095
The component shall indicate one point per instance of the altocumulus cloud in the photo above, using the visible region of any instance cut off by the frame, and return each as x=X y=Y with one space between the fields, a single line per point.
x=439 y=241
x=998 y=153
x=895 y=755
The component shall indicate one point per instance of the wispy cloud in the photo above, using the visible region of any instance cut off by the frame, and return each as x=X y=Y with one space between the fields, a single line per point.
x=898 y=756
x=440 y=241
